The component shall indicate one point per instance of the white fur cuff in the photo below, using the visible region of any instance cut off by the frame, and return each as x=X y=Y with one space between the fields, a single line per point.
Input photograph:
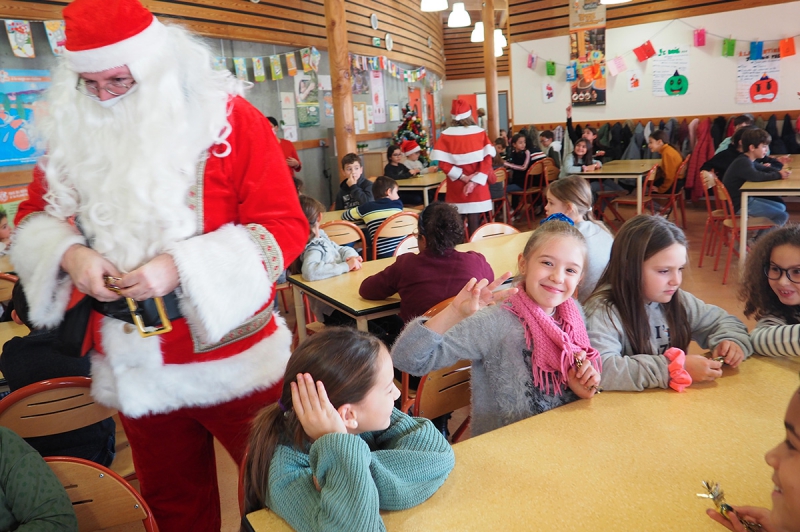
x=223 y=280
x=455 y=173
x=38 y=246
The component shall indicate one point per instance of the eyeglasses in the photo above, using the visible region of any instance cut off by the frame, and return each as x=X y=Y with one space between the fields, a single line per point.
x=774 y=273
x=116 y=87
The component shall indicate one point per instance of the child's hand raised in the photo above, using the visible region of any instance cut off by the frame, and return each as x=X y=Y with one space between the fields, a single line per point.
x=474 y=296
x=313 y=409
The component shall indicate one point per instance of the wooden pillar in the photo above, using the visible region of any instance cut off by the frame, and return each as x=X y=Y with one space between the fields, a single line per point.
x=490 y=70
x=343 y=122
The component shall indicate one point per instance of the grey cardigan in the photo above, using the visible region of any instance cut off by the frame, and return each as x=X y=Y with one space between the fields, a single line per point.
x=502 y=376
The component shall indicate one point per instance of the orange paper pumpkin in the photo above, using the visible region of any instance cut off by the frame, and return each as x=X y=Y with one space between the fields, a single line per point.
x=764 y=90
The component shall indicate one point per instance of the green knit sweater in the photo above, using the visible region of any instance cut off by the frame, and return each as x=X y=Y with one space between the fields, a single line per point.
x=31 y=497
x=359 y=475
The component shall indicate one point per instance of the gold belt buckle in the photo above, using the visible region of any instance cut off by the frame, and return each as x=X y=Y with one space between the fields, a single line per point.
x=166 y=325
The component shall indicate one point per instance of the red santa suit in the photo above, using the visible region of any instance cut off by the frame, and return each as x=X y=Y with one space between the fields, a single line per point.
x=226 y=355
x=289 y=151
x=463 y=151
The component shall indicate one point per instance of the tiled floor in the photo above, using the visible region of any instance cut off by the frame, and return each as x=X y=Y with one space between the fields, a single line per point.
x=702 y=282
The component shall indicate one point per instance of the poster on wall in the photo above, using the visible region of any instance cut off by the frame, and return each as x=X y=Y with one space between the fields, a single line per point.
x=757 y=81
x=290 y=133
x=360 y=117
x=19 y=91
x=10 y=198
x=327 y=103
x=394 y=112
x=671 y=71
x=359 y=79
x=548 y=92
x=324 y=81
x=306 y=93
x=288 y=117
x=378 y=96
x=287 y=100
x=370 y=119
x=587 y=54
x=633 y=79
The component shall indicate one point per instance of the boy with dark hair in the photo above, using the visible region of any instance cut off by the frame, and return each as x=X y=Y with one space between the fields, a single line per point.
x=35 y=358
x=356 y=189
x=387 y=203
x=744 y=168
x=546 y=139
x=739 y=122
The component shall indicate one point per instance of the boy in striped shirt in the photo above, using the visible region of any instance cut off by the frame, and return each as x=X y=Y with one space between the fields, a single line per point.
x=387 y=203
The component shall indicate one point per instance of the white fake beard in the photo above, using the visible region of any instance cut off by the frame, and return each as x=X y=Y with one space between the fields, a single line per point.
x=126 y=171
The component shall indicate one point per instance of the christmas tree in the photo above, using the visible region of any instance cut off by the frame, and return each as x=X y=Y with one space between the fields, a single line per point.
x=411 y=129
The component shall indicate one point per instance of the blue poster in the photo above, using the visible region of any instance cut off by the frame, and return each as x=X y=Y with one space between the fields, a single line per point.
x=19 y=90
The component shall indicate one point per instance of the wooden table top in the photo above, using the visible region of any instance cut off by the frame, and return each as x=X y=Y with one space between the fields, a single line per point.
x=627 y=167
x=622 y=461
x=425 y=180
x=791 y=185
x=342 y=291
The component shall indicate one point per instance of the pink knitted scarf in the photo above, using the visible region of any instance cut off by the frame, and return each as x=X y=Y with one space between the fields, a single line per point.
x=552 y=347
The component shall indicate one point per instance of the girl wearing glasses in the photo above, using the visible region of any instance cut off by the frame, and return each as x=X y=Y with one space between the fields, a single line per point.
x=771 y=292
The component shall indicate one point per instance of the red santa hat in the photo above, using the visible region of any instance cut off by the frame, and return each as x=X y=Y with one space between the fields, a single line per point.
x=409 y=146
x=104 y=34
x=460 y=110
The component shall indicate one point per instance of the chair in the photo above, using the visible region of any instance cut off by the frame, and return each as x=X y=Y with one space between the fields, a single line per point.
x=647 y=196
x=398 y=225
x=533 y=189
x=676 y=198
x=101 y=498
x=730 y=228
x=502 y=177
x=492 y=230
x=441 y=190
x=344 y=233
x=409 y=244
x=716 y=215
x=60 y=405
x=7 y=282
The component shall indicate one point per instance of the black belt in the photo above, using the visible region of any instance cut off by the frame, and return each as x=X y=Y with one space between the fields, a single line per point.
x=147 y=310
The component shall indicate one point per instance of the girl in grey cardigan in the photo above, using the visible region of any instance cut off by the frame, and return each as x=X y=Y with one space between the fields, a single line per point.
x=639 y=314
x=524 y=351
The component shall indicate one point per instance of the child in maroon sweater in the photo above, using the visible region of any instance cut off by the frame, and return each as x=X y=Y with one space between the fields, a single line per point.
x=437 y=273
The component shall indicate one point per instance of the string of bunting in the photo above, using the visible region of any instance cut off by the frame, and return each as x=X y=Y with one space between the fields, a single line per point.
x=646 y=50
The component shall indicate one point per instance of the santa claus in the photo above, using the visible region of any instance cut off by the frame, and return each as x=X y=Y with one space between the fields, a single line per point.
x=465 y=155
x=162 y=181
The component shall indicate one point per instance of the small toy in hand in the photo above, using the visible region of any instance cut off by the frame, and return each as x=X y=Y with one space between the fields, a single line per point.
x=578 y=361
x=715 y=493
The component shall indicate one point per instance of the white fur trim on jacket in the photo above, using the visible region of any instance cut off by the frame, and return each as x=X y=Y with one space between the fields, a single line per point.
x=480 y=178
x=464 y=158
x=223 y=280
x=474 y=206
x=455 y=173
x=132 y=377
x=39 y=243
x=120 y=53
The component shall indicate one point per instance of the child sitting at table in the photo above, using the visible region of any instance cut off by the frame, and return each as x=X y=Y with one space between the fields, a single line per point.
x=529 y=353
x=784 y=460
x=641 y=322
x=37 y=357
x=755 y=143
x=395 y=167
x=412 y=151
x=356 y=189
x=572 y=197
x=670 y=160
x=333 y=451
x=580 y=160
x=770 y=292
x=550 y=148
x=322 y=259
x=386 y=203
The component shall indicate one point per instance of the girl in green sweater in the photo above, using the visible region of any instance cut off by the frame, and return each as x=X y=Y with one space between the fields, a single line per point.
x=333 y=451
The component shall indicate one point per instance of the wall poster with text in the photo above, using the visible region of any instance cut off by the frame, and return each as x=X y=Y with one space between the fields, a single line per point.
x=587 y=41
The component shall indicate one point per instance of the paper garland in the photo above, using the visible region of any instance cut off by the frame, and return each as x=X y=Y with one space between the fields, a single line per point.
x=700 y=37
x=56 y=35
x=275 y=67
x=644 y=52
x=291 y=64
x=728 y=47
x=240 y=66
x=258 y=69
x=20 y=38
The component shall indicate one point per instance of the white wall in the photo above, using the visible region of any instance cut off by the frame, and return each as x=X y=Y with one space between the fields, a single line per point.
x=452 y=89
x=712 y=78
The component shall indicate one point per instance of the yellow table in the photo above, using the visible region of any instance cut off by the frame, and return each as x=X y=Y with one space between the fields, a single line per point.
x=341 y=292
x=634 y=168
x=423 y=183
x=622 y=461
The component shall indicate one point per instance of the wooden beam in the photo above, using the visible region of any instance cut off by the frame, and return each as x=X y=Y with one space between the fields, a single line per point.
x=338 y=56
x=490 y=70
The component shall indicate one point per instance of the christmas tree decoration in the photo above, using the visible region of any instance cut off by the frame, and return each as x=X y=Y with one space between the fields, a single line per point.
x=411 y=129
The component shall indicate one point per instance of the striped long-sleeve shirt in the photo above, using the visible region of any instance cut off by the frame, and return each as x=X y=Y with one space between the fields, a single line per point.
x=773 y=337
x=374 y=213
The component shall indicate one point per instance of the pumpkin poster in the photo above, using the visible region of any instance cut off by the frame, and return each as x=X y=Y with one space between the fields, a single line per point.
x=671 y=71
x=757 y=81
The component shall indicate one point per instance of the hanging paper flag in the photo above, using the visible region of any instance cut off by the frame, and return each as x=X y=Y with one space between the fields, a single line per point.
x=617 y=65
x=240 y=66
x=728 y=47
x=315 y=57
x=258 y=69
x=56 y=35
x=19 y=36
x=572 y=71
x=551 y=68
x=291 y=64
x=423 y=72
x=756 y=50
x=700 y=37
x=305 y=57
x=275 y=67
x=383 y=62
x=532 y=60
x=644 y=52
x=219 y=63
x=787 y=47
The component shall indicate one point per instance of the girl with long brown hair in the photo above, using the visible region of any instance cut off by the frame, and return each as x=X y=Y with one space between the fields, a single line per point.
x=641 y=322
x=333 y=451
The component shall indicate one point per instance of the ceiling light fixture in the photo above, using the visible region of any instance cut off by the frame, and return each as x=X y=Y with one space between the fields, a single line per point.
x=459 y=18
x=433 y=5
